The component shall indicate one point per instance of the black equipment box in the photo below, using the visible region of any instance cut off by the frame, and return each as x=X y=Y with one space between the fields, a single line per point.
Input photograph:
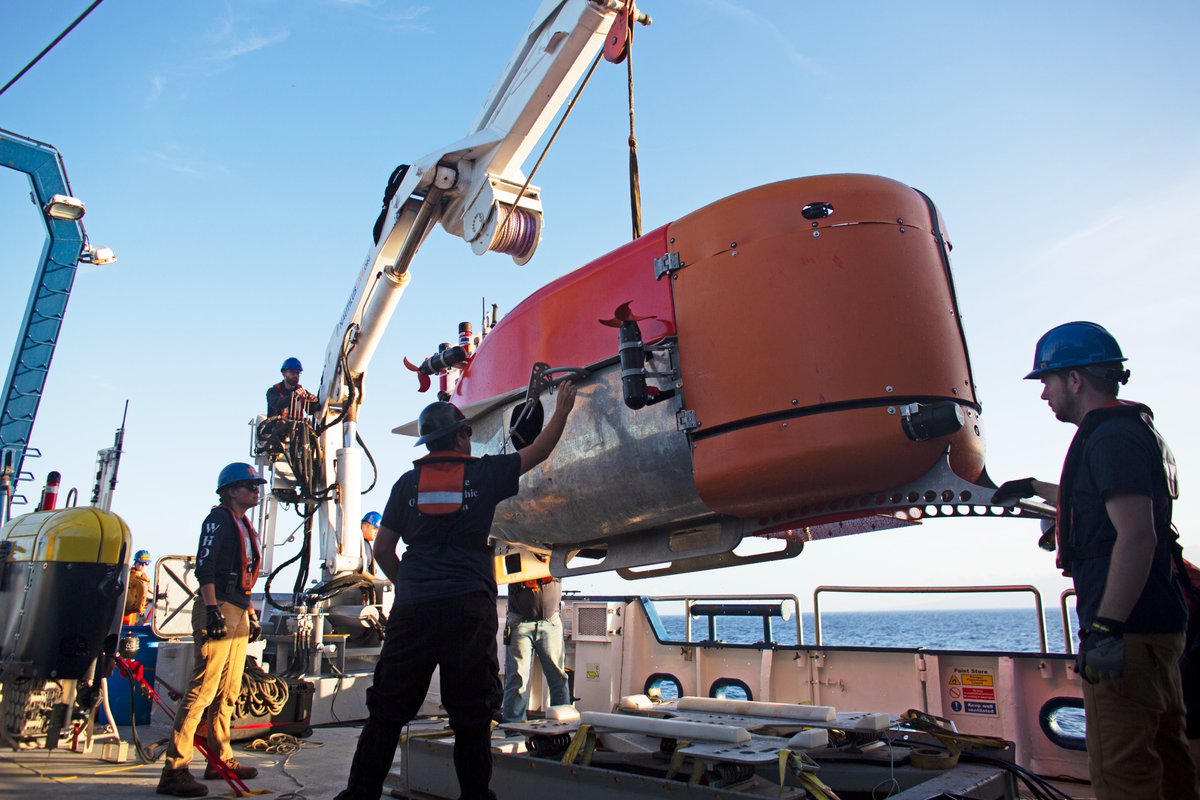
x=294 y=719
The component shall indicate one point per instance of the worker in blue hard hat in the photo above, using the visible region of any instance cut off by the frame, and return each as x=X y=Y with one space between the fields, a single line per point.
x=1115 y=540
x=137 y=592
x=228 y=558
x=288 y=398
x=370 y=527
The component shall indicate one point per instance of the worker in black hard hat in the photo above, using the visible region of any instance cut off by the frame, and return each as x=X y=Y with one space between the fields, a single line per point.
x=1116 y=541
x=288 y=398
x=443 y=511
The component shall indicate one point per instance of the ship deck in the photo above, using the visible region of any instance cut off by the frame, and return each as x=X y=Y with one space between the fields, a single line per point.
x=316 y=770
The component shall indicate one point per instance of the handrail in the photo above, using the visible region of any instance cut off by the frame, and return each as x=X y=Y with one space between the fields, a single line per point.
x=1068 y=640
x=690 y=599
x=1037 y=599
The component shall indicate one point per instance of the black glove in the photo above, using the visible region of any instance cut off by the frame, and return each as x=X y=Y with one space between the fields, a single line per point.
x=1048 y=541
x=1011 y=491
x=255 y=627
x=215 y=627
x=1102 y=651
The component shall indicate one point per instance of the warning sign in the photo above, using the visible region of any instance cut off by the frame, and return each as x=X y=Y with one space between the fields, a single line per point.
x=976 y=687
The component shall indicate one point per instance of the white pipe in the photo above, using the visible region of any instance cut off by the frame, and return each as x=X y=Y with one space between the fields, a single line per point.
x=757 y=708
x=349 y=516
x=668 y=728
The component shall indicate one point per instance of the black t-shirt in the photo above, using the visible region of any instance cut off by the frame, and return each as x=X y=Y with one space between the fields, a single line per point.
x=535 y=603
x=446 y=556
x=1122 y=456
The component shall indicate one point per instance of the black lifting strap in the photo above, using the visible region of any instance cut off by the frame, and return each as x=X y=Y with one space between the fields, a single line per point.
x=635 y=186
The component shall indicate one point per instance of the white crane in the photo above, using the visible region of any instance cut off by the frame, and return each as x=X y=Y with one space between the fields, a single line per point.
x=477 y=190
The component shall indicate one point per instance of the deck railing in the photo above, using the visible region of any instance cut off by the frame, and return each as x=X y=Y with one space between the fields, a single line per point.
x=1037 y=600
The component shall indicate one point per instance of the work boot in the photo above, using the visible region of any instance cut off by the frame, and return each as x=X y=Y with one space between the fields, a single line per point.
x=245 y=773
x=179 y=782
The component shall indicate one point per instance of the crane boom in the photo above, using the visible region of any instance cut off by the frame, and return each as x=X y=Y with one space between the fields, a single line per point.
x=475 y=188
x=65 y=241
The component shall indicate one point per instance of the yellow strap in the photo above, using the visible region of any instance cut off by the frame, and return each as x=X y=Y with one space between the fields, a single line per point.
x=676 y=760
x=577 y=743
x=589 y=749
x=814 y=785
x=440 y=733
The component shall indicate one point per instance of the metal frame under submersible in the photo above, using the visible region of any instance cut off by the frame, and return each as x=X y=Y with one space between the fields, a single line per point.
x=427 y=771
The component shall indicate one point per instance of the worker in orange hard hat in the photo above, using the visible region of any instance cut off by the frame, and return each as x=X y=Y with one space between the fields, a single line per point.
x=137 y=593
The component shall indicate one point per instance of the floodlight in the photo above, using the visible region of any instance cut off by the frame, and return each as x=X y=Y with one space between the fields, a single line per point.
x=63 y=206
x=97 y=255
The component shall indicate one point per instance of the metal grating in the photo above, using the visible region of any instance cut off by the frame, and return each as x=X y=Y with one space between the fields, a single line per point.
x=591 y=621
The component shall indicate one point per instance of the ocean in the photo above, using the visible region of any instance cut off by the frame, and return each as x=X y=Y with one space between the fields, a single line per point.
x=1005 y=629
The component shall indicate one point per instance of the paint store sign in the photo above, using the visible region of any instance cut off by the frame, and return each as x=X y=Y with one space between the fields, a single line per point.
x=972 y=691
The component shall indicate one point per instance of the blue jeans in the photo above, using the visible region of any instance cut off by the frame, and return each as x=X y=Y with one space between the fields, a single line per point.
x=546 y=638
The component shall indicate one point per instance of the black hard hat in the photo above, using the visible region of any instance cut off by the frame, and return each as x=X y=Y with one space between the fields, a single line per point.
x=437 y=420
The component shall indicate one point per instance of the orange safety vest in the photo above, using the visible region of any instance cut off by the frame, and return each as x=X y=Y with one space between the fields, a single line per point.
x=441 y=482
x=247 y=549
x=537 y=583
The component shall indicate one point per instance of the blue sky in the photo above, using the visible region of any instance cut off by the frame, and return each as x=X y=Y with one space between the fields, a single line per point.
x=234 y=154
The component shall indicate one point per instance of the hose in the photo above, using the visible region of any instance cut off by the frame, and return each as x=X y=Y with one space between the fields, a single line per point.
x=335 y=586
x=370 y=458
x=1039 y=787
x=263 y=695
x=156 y=750
x=298 y=443
x=301 y=573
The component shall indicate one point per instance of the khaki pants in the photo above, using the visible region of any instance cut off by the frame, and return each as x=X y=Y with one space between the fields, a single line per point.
x=1135 y=725
x=215 y=686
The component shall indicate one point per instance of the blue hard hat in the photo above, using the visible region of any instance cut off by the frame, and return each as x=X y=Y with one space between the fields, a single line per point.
x=292 y=363
x=141 y=557
x=237 y=472
x=373 y=518
x=1074 y=344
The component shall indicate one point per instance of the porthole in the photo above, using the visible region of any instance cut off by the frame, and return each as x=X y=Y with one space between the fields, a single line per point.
x=1064 y=723
x=730 y=689
x=664 y=685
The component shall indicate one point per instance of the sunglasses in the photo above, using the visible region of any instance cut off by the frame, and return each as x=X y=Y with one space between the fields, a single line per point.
x=248 y=485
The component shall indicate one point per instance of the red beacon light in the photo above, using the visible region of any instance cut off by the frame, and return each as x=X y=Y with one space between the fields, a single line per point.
x=50 y=492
